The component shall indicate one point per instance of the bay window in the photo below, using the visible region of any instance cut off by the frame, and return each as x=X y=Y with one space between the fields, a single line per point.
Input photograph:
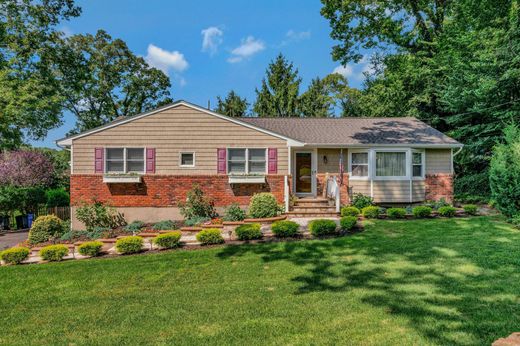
x=246 y=161
x=417 y=164
x=124 y=160
x=386 y=164
x=390 y=164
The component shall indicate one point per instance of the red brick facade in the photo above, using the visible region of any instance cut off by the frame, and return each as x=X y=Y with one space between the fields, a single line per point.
x=168 y=190
x=439 y=186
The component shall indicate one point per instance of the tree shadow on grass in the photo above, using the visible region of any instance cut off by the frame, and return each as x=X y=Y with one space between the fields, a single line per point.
x=456 y=281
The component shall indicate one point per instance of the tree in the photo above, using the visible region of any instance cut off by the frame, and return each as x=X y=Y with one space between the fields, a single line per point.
x=344 y=97
x=317 y=101
x=30 y=103
x=278 y=96
x=25 y=168
x=101 y=79
x=232 y=106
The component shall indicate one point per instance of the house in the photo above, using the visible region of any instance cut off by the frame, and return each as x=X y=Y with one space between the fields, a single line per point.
x=143 y=165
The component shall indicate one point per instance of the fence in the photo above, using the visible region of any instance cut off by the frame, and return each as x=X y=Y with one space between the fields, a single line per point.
x=61 y=212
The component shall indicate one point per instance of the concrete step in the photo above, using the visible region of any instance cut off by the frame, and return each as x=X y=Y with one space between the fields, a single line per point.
x=311 y=214
x=312 y=208
x=315 y=202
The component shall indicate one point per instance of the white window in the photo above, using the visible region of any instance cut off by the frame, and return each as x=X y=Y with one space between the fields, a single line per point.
x=124 y=160
x=246 y=161
x=390 y=164
x=187 y=159
x=359 y=164
x=417 y=164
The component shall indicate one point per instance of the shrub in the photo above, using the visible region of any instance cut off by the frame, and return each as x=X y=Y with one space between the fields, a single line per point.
x=15 y=255
x=90 y=248
x=361 y=201
x=435 y=205
x=45 y=228
x=234 y=213
x=421 y=211
x=321 y=227
x=515 y=220
x=129 y=245
x=350 y=211
x=263 y=205
x=370 y=212
x=195 y=221
x=348 y=222
x=447 y=211
x=134 y=226
x=54 y=253
x=168 y=240
x=210 y=236
x=98 y=214
x=396 y=213
x=57 y=198
x=197 y=205
x=248 y=231
x=471 y=209
x=285 y=228
x=165 y=225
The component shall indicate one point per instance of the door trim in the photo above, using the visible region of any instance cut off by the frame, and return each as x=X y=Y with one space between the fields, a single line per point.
x=314 y=170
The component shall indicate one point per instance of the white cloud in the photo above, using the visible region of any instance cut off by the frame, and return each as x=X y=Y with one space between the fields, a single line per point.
x=345 y=71
x=296 y=36
x=164 y=60
x=248 y=47
x=211 y=39
x=356 y=71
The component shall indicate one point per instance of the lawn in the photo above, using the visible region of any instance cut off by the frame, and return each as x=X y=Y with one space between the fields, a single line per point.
x=444 y=281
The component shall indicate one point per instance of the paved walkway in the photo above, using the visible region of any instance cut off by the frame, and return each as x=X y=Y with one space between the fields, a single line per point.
x=8 y=240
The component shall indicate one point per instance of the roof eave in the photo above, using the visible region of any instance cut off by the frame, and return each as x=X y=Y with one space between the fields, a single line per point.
x=364 y=145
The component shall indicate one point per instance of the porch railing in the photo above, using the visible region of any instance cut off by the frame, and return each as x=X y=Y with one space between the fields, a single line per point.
x=333 y=192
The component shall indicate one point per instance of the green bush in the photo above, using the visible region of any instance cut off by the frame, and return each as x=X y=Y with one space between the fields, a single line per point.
x=350 y=211
x=447 y=211
x=54 y=253
x=321 y=227
x=57 y=198
x=396 y=213
x=361 y=201
x=98 y=214
x=263 y=205
x=285 y=228
x=15 y=255
x=515 y=220
x=134 y=227
x=90 y=248
x=210 y=236
x=165 y=225
x=234 y=213
x=248 y=231
x=421 y=211
x=168 y=240
x=196 y=220
x=471 y=209
x=370 y=212
x=129 y=245
x=45 y=228
x=348 y=222
x=197 y=205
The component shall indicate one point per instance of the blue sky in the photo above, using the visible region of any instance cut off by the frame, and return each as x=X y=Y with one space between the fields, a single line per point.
x=210 y=47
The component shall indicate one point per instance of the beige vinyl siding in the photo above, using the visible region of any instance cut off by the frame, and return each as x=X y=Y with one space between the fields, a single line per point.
x=418 y=190
x=438 y=161
x=392 y=191
x=359 y=186
x=332 y=165
x=176 y=130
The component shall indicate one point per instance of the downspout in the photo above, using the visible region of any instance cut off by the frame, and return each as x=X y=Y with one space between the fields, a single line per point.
x=452 y=157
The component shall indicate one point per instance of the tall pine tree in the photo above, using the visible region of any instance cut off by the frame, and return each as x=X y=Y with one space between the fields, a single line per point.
x=232 y=106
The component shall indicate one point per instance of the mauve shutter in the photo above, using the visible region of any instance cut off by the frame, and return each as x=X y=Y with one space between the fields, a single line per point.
x=221 y=160
x=150 y=160
x=98 y=160
x=272 y=165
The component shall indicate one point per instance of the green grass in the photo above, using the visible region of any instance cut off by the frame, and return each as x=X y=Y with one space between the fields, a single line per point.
x=445 y=281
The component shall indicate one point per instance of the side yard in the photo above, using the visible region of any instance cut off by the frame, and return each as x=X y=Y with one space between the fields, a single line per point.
x=438 y=281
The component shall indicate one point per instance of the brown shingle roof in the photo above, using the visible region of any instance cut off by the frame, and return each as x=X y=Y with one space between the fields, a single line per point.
x=354 y=131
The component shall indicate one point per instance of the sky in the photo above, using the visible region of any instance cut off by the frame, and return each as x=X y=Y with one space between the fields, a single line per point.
x=210 y=47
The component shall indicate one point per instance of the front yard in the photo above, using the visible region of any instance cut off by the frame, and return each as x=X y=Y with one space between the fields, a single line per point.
x=442 y=281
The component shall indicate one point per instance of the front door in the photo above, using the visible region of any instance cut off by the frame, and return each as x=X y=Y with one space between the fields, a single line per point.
x=304 y=175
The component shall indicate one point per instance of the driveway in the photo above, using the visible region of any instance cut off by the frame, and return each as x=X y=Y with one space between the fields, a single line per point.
x=11 y=239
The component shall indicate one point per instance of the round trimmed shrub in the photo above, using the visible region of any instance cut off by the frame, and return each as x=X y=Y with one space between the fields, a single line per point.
x=285 y=228
x=15 y=255
x=129 y=245
x=165 y=225
x=370 y=212
x=263 y=205
x=46 y=228
x=234 y=213
x=90 y=248
x=447 y=211
x=348 y=222
x=350 y=211
x=471 y=209
x=168 y=240
x=248 y=231
x=396 y=213
x=54 y=253
x=321 y=227
x=421 y=211
x=210 y=236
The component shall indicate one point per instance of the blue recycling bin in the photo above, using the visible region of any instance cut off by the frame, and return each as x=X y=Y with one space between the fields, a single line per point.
x=30 y=218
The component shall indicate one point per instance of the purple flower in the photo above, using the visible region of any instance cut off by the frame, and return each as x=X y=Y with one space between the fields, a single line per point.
x=25 y=168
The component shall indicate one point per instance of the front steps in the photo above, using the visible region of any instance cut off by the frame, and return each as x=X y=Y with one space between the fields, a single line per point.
x=313 y=207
